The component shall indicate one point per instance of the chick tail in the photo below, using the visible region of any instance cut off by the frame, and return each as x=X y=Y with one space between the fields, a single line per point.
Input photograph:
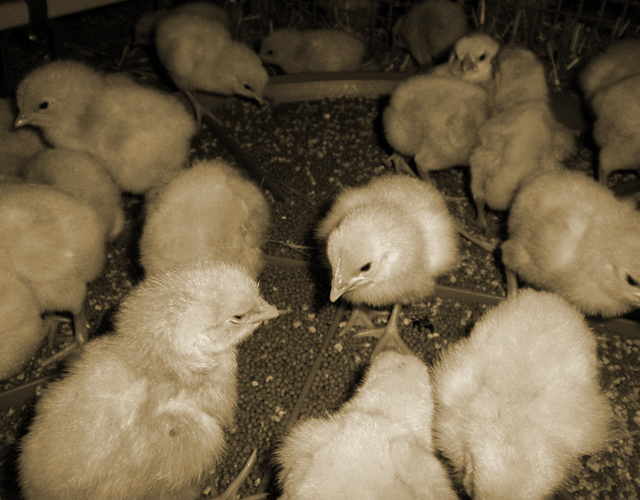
x=389 y=337
x=231 y=493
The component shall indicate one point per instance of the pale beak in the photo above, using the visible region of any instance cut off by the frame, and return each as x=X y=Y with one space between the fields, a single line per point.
x=21 y=121
x=467 y=63
x=339 y=286
x=267 y=312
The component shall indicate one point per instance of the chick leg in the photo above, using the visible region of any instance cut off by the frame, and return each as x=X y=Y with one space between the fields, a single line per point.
x=198 y=109
x=80 y=333
x=361 y=316
x=389 y=337
x=512 y=283
x=399 y=164
x=231 y=493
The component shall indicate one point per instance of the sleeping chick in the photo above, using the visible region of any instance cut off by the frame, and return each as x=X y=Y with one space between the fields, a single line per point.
x=150 y=403
x=140 y=134
x=311 y=51
x=17 y=147
x=387 y=241
x=429 y=30
x=619 y=60
x=54 y=245
x=617 y=127
x=517 y=403
x=210 y=211
x=377 y=447
x=199 y=54
x=473 y=58
x=435 y=119
x=568 y=234
x=83 y=177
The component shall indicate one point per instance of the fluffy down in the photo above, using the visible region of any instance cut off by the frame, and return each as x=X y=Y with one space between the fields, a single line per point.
x=150 y=402
x=435 y=119
x=319 y=50
x=518 y=402
x=84 y=178
x=568 y=234
x=140 y=134
x=430 y=29
x=17 y=147
x=378 y=446
x=473 y=58
x=210 y=211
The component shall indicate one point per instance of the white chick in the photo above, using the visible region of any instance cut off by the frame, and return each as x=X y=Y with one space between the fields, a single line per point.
x=83 y=177
x=377 y=447
x=52 y=244
x=387 y=242
x=617 y=126
x=619 y=60
x=210 y=211
x=517 y=403
x=311 y=51
x=473 y=58
x=430 y=29
x=150 y=403
x=140 y=134
x=17 y=147
x=199 y=54
x=568 y=234
x=436 y=120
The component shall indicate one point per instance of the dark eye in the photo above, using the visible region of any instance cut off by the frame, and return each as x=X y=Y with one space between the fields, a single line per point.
x=631 y=281
x=248 y=87
x=366 y=267
x=269 y=52
x=482 y=57
x=44 y=105
x=239 y=318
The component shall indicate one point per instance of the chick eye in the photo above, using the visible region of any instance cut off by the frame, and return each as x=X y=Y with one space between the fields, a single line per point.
x=237 y=319
x=44 y=105
x=248 y=87
x=631 y=281
x=366 y=267
x=269 y=52
x=482 y=57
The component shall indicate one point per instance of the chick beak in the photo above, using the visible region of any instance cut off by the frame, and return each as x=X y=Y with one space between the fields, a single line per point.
x=467 y=63
x=339 y=286
x=22 y=120
x=267 y=311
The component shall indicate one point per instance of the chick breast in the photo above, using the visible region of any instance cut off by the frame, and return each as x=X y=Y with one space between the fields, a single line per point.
x=394 y=236
x=142 y=412
x=518 y=402
x=378 y=446
x=208 y=212
x=568 y=234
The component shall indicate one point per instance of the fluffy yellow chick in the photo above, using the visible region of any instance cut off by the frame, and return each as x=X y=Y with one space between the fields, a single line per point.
x=83 y=177
x=518 y=401
x=54 y=245
x=568 y=234
x=435 y=119
x=311 y=51
x=617 y=126
x=17 y=147
x=387 y=241
x=473 y=58
x=140 y=134
x=199 y=54
x=377 y=447
x=142 y=412
x=210 y=211
x=619 y=60
x=429 y=29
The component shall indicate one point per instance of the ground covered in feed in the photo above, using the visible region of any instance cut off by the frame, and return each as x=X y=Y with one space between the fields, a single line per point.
x=312 y=150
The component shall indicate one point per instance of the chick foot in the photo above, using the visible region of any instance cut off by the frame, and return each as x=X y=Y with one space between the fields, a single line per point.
x=80 y=334
x=231 y=493
x=389 y=336
x=198 y=109
x=362 y=316
x=399 y=164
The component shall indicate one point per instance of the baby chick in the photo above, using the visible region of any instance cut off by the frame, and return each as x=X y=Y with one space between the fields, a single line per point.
x=17 y=147
x=617 y=128
x=429 y=29
x=473 y=58
x=310 y=51
x=150 y=402
x=199 y=54
x=140 y=134
x=435 y=119
x=54 y=245
x=568 y=234
x=517 y=403
x=387 y=241
x=83 y=177
x=378 y=446
x=619 y=60
x=210 y=211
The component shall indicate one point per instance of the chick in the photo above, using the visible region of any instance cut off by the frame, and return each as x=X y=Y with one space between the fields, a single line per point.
x=619 y=60
x=150 y=402
x=518 y=401
x=568 y=234
x=139 y=134
x=429 y=30
x=311 y=51
x=378 y=446
x=199 y=54
x=435 y=119
x=54 y=246
x=17 y=147
x=209 y=211
x=83 y=177
x=473 y=58
x=617 y=128
x=387 y=241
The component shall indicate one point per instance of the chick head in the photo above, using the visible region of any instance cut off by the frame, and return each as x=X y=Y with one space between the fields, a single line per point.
x=244 y=73
x=55 y=93
x=280 y=46
x=621 y=273
x=194 y=313
x=473 y=57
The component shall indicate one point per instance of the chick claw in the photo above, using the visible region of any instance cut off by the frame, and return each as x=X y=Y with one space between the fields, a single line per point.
x=361 y=316
x=388 y=337
x=231 y=493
